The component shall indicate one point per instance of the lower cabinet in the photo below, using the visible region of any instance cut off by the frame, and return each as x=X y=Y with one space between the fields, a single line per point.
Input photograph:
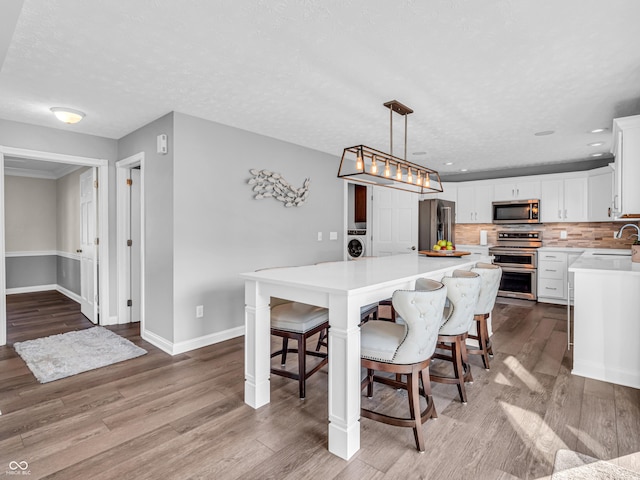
x=553 y=275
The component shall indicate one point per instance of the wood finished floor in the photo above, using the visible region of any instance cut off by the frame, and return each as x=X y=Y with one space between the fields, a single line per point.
x=183 y=417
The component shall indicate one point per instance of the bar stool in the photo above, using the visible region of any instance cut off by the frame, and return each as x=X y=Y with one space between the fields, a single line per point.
x=405 y=349
x=463 y=289
x=490 y=275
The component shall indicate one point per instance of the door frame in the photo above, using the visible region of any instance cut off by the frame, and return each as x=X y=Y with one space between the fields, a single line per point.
x=102 y=224
x=123 y=214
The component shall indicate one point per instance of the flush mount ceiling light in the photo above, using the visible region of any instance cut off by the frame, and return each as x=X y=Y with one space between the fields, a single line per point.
x=367 y=165
x=67 y=115
x=597 y=130
x=545 y=132
x=597 y=154
x=596 y=144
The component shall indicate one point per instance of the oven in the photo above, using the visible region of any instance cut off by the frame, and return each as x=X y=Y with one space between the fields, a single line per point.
x=516 y=253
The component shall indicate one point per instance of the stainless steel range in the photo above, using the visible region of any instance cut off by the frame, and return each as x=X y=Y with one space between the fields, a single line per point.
x=516 y=252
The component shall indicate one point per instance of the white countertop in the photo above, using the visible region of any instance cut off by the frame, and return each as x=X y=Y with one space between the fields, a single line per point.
x=562 y=249
x=357 y=275
x=606 y=260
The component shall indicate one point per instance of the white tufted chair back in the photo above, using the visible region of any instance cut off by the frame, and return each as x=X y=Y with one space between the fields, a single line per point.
x=463 y=289
x=490 y=275
x=422 y=314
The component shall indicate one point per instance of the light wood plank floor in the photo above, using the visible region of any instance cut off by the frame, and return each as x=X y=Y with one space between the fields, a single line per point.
x=183 y=417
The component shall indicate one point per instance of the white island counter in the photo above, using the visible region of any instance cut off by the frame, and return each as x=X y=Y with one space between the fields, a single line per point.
x=607 y=317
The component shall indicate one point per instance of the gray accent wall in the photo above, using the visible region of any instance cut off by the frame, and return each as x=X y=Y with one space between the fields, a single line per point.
x=31 y=271
x=68 y=273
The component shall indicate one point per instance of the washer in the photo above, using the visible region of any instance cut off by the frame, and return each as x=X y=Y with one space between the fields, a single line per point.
x=356 y=244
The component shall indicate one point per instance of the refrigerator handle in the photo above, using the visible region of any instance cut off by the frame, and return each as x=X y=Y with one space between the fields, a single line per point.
x=448 y=232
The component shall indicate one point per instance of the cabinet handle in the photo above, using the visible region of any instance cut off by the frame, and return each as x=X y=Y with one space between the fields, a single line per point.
x=547 y=270
x=565 y=213
x=476 y=215
x=550 y=288
x=518 y=192
x=513 y=192
x=549 y=256
x=560 y=214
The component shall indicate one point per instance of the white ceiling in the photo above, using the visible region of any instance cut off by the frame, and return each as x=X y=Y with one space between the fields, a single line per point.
x=482 y=77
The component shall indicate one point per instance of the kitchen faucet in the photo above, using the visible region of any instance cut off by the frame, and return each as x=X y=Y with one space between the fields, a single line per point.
x=619 y=234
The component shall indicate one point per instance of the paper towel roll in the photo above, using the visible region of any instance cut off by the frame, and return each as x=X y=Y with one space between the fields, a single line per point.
x=483 y=237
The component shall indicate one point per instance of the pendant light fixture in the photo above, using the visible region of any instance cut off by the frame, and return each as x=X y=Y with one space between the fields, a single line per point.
x=361 y=163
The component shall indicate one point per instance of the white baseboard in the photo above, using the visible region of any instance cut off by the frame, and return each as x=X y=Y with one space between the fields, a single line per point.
x=69 y=293
x=188 y=345
x=32 y=289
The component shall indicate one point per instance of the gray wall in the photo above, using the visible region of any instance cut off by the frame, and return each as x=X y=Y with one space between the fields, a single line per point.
x=31 y=271
x=68 y=273
x=220 y=230
x=159 y=229
x=33 y=137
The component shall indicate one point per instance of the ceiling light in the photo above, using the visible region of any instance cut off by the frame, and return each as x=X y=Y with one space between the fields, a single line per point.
x=597 y=154
x=596 y=144
x=597 y=130
x=360 y=163
x=448 y=163
x=545 y=132
x=67 y=115
x=464 y=169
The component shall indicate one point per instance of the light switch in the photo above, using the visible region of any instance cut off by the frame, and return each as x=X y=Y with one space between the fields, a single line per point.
x=319 y=236
x=333 y=235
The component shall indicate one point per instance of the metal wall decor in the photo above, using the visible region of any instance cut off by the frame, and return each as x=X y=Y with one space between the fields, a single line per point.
x=367 y=165
x=268 y=184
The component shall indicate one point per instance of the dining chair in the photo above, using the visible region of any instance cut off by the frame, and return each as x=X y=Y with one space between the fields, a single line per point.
x=490 y=275
x=463 y=289
x=298 y=321
x=405 y=350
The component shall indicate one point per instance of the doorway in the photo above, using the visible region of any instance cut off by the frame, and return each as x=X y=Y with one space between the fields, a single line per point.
x=102 y=226
x=130 y=239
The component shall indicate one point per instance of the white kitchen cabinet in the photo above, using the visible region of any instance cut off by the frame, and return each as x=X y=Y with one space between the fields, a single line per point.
x=600 y=188
x=626 y=149
x=449 y=192
x=474 y=204
x=516 y=191
x=552 y=276
x=564 y=200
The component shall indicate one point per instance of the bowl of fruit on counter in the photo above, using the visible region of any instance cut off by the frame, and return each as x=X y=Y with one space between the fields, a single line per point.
x=444 y=248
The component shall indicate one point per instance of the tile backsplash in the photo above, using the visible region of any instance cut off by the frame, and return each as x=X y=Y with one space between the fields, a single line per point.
x=582 y=234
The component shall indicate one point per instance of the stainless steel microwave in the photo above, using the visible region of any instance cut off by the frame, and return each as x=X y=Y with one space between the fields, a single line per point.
x=516 y=211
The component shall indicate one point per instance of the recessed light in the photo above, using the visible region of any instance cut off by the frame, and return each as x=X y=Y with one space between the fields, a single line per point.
x=597 y=154
x=545 y=132
x=67 y=115
x=464 y=169
x=596 y=144
x=419 y=153
x=597 y=130
x=448 y=163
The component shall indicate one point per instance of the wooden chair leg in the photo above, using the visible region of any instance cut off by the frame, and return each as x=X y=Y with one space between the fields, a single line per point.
x=285 y=348
x=484 y=342
x=302 y=365
x=458 y=369
x=321 y=339
x=413 y=393
x=370 y=373
x=426 y=388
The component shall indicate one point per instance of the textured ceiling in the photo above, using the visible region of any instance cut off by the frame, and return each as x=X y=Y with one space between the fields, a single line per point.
x=482 y=77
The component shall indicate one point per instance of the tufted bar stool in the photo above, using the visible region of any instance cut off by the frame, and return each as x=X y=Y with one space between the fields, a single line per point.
x=463 y=289
x=405 y=349
x=490 y=275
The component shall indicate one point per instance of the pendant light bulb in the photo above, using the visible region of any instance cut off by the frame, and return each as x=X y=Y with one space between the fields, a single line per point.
x=398 y=172
x=387 y=170
x=359 y=162
x=427 y=181
x=419 y=180
x=374 y=166
x=409 y=176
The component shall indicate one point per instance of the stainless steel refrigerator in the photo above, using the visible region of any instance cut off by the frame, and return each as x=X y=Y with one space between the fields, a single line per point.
x=436 y=221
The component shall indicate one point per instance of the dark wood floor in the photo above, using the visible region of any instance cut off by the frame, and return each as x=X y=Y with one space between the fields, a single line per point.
x=183 y=417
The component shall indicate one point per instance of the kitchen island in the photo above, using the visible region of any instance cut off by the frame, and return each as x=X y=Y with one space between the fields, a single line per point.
x=607 y=317
x=342 y=287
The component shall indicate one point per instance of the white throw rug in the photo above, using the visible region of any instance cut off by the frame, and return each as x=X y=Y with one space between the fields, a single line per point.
x=59 y=356
x=570 y=465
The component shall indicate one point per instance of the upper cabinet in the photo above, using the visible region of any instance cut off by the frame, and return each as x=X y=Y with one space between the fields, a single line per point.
x=600 y=190
x=449 y=192
x=474 y=203
x=564 y=200
x=516 y=191
x=626 y=149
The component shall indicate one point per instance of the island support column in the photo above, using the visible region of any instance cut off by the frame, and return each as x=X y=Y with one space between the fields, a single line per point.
x=257 y=346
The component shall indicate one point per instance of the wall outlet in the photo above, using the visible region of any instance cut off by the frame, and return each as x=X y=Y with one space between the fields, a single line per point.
x=563 y=234
x=200 y=311
x=333 y=235
x=319 y=236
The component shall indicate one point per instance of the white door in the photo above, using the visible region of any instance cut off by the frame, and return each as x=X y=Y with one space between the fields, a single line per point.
x=135 y=248
x=88 y=254
x=395 y=222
